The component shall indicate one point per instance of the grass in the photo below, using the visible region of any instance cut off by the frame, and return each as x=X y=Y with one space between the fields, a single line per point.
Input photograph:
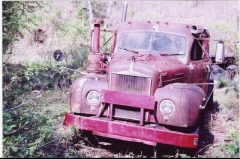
x=39 y=132
x=45 y=136
x=224 y=125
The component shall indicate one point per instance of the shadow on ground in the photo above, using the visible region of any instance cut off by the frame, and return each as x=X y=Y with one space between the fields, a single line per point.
x=206 y=138
x=132 y=149
x=127 y=149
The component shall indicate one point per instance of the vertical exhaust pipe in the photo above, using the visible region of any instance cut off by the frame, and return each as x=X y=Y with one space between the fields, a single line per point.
x=94 y=59
x=124 y=14
x=96 y=22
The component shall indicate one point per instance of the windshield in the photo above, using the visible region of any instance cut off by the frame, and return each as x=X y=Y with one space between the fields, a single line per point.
x=153 y=41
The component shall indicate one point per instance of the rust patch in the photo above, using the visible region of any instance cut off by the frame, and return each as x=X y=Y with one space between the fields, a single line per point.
x=151 y=57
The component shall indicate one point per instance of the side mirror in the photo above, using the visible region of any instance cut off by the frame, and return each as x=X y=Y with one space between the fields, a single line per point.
x=219 y=55
x=58 y=55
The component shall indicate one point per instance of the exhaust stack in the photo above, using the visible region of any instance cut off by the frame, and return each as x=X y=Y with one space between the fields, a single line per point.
x=94 y=64
x=97 y=22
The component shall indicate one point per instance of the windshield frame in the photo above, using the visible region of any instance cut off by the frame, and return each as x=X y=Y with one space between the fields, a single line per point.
x=152 y=38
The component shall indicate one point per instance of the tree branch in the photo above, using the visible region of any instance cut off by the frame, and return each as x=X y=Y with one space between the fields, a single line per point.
x=205 y=148
x=13 y=132
x=20 y=105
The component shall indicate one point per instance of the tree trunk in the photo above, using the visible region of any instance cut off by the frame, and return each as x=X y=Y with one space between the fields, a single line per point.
x=90 y=19
x=90 y=14
x=110 y=5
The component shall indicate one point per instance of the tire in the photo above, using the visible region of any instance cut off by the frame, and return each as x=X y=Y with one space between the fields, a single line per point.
x=214 y=66
x=217 y=74
x=233 y=72
x=232 y=67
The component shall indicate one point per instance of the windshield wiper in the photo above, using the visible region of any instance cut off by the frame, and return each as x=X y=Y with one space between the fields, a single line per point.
x=175 y=54
x=128 y=50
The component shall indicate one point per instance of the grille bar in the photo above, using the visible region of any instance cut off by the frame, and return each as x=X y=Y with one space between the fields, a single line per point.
x=128 y=113
x=131 y=84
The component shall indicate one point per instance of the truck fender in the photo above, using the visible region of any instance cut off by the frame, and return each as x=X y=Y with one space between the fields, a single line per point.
x=79 y=91
x=75 y=93
x=187 y=99
x=92 y=85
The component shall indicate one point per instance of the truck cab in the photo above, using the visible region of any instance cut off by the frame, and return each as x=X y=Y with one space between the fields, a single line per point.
x=151 y=88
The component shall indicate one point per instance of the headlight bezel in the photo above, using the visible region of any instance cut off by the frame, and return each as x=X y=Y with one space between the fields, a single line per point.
x=163 y=108
x=90 y=94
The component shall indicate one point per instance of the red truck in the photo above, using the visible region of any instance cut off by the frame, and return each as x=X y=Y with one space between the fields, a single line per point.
x=152 y=88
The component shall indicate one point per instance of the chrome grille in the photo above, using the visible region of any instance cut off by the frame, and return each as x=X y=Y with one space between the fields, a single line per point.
x=131 y=84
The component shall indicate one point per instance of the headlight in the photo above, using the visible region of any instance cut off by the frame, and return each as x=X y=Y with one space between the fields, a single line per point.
x=93 y=97
x=167 y=106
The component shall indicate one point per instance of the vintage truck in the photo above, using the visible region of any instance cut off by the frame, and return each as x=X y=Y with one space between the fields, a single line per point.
x=152 y=88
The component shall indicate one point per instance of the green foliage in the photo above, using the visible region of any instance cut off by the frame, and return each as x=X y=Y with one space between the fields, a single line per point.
x=29 y=130
x=230 y=85
x=227 y=149
x=40 y=132
x=69 y=34
x=233 y=86
x=13 y=13
x=232 y=148
x=79 y=57
x=75 y=29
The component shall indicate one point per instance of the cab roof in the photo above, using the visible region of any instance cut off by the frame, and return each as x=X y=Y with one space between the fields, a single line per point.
x=176 y=28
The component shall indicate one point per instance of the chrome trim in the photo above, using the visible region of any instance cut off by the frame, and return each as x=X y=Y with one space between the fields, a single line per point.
x=205 y=104
x=179 y=74
x=172 y=80
x=127 y=73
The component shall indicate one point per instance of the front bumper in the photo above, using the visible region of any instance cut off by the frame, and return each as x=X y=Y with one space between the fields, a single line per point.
x=133 y=132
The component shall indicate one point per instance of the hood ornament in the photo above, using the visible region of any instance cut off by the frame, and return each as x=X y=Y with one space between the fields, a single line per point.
x=133 y=58
x=132 y=63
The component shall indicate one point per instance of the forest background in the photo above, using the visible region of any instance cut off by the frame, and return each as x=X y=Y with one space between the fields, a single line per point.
x=33 y=105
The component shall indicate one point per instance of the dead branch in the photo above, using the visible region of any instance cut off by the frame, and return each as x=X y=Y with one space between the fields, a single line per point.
x=13 y=132
x=86 y=141
x=20 y=105
x=48 y=142
x=218 y=130
x=205 y=148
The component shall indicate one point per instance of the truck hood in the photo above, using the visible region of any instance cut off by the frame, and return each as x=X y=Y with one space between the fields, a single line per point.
x=149 y=64
x=146 y=63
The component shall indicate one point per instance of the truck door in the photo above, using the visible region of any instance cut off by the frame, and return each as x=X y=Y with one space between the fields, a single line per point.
x=198 y=66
